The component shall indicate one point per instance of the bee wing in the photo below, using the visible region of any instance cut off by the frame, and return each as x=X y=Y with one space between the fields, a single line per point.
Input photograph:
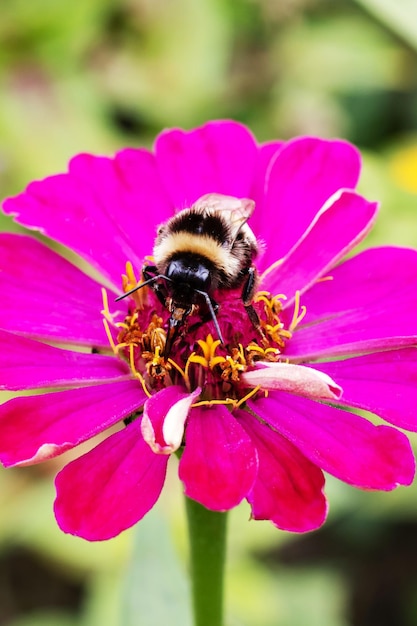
x=236 y=211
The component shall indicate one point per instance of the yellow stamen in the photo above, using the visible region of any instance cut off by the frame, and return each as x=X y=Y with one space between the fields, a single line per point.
x=135 y=371
x=209 y=358
x=226 y=402
x=186 y=370
x=257 y=353
x=105 y=310
x=298 y=314
x=198 y=359
x=129 y=323
x=109 y=335
x=272 y=304
x=123 y=344
x=324 y=279
x=249 y=395
x=129 y=281
x=177 y=367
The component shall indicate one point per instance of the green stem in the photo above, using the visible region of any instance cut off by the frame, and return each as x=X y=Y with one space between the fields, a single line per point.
x=207 y=532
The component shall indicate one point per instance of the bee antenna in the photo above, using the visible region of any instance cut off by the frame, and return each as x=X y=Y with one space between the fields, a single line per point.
x=146 y=282
x=212 y=313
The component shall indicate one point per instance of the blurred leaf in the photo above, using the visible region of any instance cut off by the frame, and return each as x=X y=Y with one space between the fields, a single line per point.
x=55 y=32
x=396 y=224
x=156 y=589
x=170 y=63
x=399 y=16
x=49 y=618
x=339 y=53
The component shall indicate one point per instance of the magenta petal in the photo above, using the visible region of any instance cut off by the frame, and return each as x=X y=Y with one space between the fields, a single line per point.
x=332 y=234
x=384 y=383
x=219 y=157
x=164 y=418
x=46 y=297
x=36 y=428
x=369 y=304
x=289 y=488
x=111 y=487
x=98 y=209
x=28 y=364
x=341 y=443
x=298 y=379
x=266 y=154
x=304 y=175
x=219 y=463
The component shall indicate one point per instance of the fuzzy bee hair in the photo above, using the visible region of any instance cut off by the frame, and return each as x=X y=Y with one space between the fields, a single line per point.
x=215 y=230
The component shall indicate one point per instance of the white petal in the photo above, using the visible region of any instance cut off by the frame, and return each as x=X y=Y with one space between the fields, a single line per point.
x=298 y=379
x=173 y=428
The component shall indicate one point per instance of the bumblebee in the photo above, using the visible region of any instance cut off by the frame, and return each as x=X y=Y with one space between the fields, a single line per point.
x=206 y=248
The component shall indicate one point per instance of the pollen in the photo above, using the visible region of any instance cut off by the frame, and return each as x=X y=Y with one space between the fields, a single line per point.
x=141 y=345
x=234 y=364
x=256 y=353
x=271 y=323
x=214 y=365
x=129 y=281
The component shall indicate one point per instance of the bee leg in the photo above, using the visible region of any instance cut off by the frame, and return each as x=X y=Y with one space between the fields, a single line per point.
x=213 y=307
x=150 y=272
x=248 y=292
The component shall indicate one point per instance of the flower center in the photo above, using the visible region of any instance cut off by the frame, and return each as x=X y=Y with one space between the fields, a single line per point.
x=195 y=358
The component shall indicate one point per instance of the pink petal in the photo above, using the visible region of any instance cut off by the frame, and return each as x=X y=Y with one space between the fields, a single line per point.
x=28 y=364
x=369 y=304
x=46 y=297
x=111 y=487
x=289 y=488
x=343 y=444
x=304 y=175
x=104 y=209
x=298 y=379
x=384 y=383
x=164 y=418
x=267 y=153
x=219 y=157
x=219 y=463
x=36 y=428
x=333 y=233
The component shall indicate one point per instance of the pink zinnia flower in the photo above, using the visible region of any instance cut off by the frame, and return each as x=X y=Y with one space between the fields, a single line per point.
x=255 y=417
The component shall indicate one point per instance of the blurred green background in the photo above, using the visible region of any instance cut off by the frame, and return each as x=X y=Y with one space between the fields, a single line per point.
x=97 y=75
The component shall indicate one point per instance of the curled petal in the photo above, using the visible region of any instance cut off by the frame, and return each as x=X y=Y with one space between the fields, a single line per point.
x=341 y=443
x=335 y=230
x=219 y=464
x=164 y=418
x=288 y=488
x=110 y=488
x=305 y=173
x=298 y=379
